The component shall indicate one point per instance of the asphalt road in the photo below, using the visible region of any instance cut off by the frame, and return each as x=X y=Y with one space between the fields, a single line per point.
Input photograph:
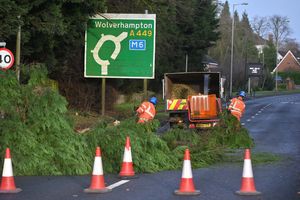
x=273 y=122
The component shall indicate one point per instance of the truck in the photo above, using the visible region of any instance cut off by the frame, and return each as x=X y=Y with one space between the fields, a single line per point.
x=193 y=99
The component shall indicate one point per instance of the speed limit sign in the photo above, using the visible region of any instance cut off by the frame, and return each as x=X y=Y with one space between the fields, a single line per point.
x=6 y=59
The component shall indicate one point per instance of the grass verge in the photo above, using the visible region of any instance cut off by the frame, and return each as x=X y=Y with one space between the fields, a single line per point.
x=256 y=158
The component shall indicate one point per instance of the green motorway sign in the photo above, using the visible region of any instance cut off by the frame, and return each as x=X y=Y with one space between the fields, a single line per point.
x=120 y=46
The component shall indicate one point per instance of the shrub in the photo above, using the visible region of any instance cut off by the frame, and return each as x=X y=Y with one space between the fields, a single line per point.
x=293 y=75
x=35 y=127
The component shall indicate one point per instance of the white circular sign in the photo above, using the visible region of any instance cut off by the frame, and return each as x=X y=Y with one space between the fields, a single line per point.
x=6 y=59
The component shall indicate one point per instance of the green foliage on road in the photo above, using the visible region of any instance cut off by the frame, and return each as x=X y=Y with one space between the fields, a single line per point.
x=35 y=127
x=230 y=133
x=208 y=147
x=34 y=124
x=149 y=152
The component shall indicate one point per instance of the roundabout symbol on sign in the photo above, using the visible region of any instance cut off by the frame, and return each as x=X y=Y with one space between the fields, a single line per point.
x=6 y=59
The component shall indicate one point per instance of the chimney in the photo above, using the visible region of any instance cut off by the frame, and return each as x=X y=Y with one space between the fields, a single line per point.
x=271 y=38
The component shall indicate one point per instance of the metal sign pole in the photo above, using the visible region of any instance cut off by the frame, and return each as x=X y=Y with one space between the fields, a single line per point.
x=145 y=80
x=249 y=86
x=103 y=96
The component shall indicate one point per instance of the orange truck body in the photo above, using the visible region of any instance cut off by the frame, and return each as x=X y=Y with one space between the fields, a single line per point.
x=199 y=110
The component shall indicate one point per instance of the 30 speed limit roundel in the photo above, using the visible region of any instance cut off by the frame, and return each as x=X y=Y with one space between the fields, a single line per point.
x=6 y=59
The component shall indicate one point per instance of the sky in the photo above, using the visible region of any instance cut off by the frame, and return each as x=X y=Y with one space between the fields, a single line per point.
x=268 y=8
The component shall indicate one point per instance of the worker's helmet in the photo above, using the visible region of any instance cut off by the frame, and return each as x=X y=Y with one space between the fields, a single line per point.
x=242 y=94
x=153 y=100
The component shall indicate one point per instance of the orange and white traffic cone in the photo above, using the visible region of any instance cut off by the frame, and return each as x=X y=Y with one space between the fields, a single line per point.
x=8 y=181
x=248 y=186
x=127 y=165
x=187 y=184
x=97 y=181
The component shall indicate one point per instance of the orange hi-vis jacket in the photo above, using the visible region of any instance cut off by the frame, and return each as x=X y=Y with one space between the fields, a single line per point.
x=237 y=107
x=146 y=112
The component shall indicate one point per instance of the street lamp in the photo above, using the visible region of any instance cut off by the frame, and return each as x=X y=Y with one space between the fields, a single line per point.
x=232 y=38
x=276 y=71
x=280 y=25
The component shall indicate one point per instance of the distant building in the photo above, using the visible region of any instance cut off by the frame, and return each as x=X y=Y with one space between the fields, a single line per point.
x=280 y=55
x=289 y=62
x=210 y=65
x=260 y=48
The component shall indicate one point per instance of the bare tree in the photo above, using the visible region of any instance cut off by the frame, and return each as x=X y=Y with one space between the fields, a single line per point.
x=260 y=25
x=279 y=26
x=291 y=44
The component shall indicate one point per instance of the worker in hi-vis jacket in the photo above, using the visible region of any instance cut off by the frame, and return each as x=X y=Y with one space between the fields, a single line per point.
x=146 y=111
x=237 y=105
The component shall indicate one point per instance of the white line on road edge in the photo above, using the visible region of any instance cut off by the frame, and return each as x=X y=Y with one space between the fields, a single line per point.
x=117 y=184
x=243 y=124
x=268 y=105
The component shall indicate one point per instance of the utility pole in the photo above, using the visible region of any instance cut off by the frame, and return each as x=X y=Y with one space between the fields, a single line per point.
x=232 y=39
x=276 y=71
x=103 y=87
x=18 y=50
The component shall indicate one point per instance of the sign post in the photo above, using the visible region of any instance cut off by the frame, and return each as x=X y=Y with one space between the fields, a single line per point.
x=6 y=59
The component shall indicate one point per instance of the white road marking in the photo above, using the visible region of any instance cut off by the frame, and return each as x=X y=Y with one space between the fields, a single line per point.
x=243 y=124
x=256 y=114
x=259 y=111
x=117 y=184
x=268 y=105
x=248 y=120
x=253 y=117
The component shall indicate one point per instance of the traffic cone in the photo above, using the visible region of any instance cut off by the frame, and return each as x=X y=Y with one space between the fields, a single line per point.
x=187 y=184
x=127 y=165
x=97 y=181
x=248 y=186
x=8 y=181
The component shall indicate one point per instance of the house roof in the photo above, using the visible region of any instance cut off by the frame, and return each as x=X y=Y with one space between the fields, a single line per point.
x=283 y=53
x=297 y=56
x=259 y=40
x=289 y=52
